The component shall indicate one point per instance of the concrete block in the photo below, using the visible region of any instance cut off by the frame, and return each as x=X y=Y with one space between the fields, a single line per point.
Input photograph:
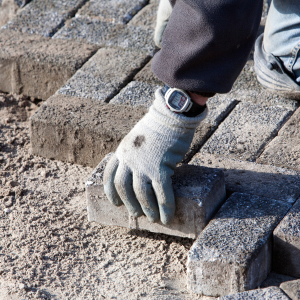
x=37 y=66
x=246 y=131
x=145 y=17
x=9 y=9
x=146 y=75
x=113 y=11
x=233 y=253
x=136 y=93
x=286 y=249
x=260 y=294
x=104 y=74
x=252 y=178
x=80 y=130
x=218 y=109
x=284 y=150
x=108 y=34
x=275 y=279
x=199 y=192
x=292 y=289
x=44 y=17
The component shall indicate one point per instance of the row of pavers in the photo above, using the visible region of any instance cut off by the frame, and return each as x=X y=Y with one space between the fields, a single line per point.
x=86 y=119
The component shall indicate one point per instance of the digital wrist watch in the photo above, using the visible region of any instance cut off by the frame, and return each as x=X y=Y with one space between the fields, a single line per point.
x=179 y=101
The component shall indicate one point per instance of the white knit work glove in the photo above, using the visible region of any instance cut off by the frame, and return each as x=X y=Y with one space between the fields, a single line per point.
x=163 y=14
x=139 y=173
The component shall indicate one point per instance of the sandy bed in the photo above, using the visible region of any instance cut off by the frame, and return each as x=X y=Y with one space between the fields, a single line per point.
x=48 y=250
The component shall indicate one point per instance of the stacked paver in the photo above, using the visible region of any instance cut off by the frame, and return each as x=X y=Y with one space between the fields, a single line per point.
x=91 y=61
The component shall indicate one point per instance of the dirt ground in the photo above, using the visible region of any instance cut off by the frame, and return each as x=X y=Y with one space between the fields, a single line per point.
x=48 y=250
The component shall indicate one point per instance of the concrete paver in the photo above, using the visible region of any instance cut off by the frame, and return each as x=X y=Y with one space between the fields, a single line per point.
x=37 y=66
x=286 y=249
x=260 y=294
x=199 y=192
x=284 y=150
x=246 y=131
x=146 y=75
x=292 y=289
x=104 y=74
x=108 y=34
x=145 y=17
x=44 y=17
x=233 y=253
x=252 y=178
x=113 y=11
x=80 y=130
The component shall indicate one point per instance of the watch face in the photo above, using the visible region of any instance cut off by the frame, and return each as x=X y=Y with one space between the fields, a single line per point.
x=177 y=100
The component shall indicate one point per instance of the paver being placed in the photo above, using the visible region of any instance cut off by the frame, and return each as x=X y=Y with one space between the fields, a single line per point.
x=292 y=289
x=252 y=178
x=233 y=253
x=286 y=248
x=104 y=74
x=199 y=192
x=108 y=34
x=270 y=293
x=146 y=17
x=284 y=150
x=80 y=130
x=37 y=66
x=113 y=11
x=246 y=131
x=44 y=17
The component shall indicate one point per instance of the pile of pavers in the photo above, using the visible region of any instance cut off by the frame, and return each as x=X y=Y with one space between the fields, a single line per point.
x=90 y=61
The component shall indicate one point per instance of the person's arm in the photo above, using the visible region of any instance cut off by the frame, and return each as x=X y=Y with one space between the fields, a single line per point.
x=207 y=43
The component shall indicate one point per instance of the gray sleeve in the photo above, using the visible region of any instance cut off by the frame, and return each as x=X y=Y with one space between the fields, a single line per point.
x=207 y=43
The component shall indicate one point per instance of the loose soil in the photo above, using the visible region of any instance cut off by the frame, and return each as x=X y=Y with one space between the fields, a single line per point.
x=49 y=250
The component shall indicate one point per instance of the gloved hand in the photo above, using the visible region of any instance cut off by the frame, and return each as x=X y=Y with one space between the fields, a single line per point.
x=139 y=173
x=163 y=14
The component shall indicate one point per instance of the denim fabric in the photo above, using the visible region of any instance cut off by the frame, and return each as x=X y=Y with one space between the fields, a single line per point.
x=282 y=34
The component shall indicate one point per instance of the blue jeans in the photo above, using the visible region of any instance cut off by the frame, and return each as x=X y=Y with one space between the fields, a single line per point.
x=282 y=34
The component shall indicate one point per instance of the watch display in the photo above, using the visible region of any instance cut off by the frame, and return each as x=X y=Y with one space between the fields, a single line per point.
x=177 y=100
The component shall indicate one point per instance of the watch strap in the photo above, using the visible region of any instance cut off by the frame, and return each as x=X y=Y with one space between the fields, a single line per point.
x=195 y=110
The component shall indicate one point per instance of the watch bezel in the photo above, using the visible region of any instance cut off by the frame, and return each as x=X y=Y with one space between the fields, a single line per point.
x=187 y=106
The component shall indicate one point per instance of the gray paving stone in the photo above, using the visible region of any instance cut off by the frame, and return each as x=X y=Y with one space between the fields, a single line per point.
x=284 y=150
x=233 y=253
x=9 y=9
x=275 y=279
x=104 y=74
x=80 y=130
x=37 y=66
x=270 y=293
x=113 y=11
x=286 y=249
x=252 y=178
x=136 y=93
x=108 y=34
x=146 y=75
x=199 y=192
x=247 y=88
x=146 y=17
x=292 y=289
x=246 y=131
x=44 y=17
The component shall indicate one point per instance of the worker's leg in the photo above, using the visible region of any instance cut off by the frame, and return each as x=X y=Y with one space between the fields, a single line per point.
x=282 y=34
x=276 y=56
